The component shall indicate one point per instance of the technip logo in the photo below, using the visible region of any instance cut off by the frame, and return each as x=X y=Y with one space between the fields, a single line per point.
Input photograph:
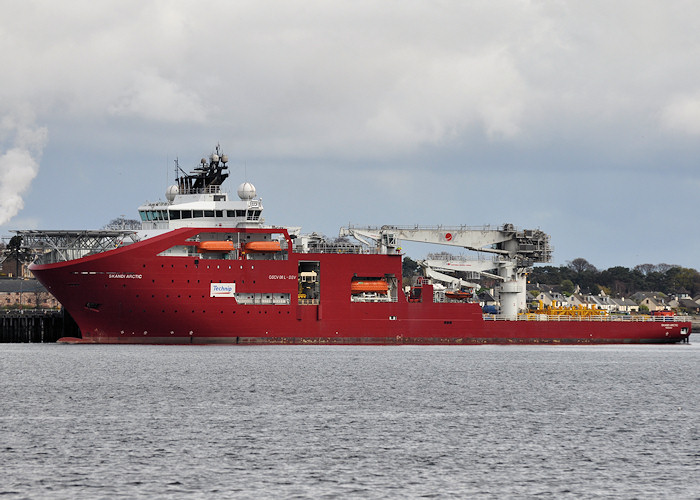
x=222 y=290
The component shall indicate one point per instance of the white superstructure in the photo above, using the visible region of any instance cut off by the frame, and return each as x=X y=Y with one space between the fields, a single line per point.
x=198 y=201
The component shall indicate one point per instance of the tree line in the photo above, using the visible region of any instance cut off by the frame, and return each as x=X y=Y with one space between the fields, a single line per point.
x=618 y=281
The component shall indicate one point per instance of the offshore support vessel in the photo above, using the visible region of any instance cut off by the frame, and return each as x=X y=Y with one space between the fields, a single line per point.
x=206 y=269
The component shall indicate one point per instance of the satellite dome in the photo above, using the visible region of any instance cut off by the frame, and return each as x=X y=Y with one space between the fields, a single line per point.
x=171 y=192
x=246 y=191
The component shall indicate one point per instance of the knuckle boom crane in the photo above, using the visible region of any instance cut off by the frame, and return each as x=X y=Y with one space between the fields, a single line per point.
x=514 y=252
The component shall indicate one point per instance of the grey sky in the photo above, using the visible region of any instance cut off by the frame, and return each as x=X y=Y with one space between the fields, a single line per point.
x=580 y=118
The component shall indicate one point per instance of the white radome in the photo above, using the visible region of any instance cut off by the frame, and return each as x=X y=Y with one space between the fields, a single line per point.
x=171 y=192
x=246 y=191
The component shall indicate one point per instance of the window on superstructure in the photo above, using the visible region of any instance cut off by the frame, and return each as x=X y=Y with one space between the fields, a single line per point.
x=208 y=213
x=219 y=213
x=143 y=216
x=187 y=214
x=174 y=214
x=197 y=213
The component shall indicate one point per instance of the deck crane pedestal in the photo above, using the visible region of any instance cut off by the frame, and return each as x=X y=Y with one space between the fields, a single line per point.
x=514 y=250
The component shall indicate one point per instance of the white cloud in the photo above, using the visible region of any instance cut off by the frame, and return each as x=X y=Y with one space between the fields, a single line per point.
x=577 y=88
x=438 y=100
x=358 y=76
x=682 y=114
x=153 y=97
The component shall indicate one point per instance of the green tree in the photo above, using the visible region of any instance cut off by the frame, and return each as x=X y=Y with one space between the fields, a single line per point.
x=411 y=268
x=123 y=223
x=581 y=265
x=567 y=287
x=18 y=253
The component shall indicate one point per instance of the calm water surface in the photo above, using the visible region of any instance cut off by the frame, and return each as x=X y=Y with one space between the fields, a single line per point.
x=350 y=422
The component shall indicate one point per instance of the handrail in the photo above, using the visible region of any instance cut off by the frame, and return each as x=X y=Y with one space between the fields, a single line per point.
x=211 y=189
x=598 y=318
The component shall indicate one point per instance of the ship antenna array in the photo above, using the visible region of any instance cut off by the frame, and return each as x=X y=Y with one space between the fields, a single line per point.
x=178 y=169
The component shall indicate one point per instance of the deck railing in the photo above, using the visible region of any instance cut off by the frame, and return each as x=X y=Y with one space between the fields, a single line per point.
x=600 y=318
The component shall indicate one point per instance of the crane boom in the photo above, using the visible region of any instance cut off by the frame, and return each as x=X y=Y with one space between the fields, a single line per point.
x=516 y=250
x=527 y=246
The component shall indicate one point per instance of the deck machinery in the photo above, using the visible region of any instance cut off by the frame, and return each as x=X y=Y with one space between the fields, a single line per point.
x=514 y=252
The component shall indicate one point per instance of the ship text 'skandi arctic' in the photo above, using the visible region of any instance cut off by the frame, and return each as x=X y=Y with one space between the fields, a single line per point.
x=207 y=269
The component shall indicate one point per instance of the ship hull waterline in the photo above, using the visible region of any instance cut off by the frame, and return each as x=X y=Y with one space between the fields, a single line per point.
x=139 y=294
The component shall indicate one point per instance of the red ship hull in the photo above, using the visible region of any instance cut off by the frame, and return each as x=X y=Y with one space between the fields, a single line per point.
x=140 y=294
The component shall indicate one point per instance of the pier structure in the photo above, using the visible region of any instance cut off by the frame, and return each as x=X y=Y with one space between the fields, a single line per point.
x=36 y=325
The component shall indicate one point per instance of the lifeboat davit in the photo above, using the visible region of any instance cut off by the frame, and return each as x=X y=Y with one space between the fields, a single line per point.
x=377 y=286
x=215 y=246
x=263 y=246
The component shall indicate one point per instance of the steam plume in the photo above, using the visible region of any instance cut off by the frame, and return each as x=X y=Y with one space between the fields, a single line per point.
x=19 y=165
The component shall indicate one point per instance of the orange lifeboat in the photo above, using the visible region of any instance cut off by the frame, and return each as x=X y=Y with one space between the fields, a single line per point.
x=376 y=286
x=263 y=246
x=215 y=246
